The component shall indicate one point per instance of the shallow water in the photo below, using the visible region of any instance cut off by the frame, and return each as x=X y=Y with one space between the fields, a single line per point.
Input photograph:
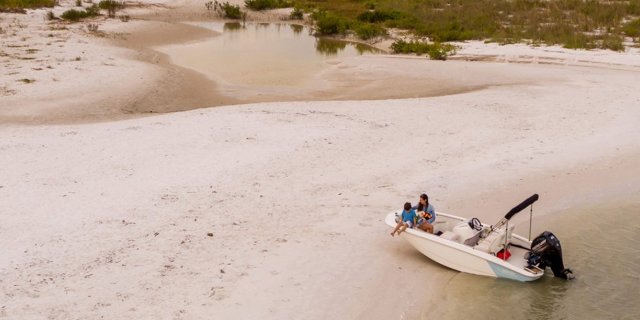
x=261 y=54
x=601 y=246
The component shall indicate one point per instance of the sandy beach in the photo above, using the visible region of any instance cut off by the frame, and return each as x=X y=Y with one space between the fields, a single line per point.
x=115 y=205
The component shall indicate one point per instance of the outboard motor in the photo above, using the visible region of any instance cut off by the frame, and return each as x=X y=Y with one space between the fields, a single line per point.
x=547 y=252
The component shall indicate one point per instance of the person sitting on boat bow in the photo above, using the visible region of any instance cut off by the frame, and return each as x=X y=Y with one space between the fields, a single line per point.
x=406 y=220
x=426 y=214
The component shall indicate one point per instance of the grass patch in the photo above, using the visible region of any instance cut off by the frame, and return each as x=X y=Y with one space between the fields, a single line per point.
x=296 y=14
x=226 y=10
x=368 y=31
x=632 y=28
x=328 y=23
x=77 y=15
x=10 y=5
x=570 y=23
x=111 y=6
x=435 y=51
x=260 y=5
x=27 y=81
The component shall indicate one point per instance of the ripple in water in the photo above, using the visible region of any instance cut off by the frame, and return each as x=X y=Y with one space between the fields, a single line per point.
x=601 y=245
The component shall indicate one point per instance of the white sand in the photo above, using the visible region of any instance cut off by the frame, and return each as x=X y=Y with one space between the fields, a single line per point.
x=111 y=219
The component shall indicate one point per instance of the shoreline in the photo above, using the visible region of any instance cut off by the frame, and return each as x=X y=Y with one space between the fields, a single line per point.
x=130 y=77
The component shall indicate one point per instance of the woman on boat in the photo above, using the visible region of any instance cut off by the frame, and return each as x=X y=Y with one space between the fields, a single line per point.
x=426 y=214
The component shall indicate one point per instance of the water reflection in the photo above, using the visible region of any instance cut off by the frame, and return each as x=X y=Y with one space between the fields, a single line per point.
x=330 y=47
x=233 y=26
x=296 y=28
x=324 y=46
x=262 y=54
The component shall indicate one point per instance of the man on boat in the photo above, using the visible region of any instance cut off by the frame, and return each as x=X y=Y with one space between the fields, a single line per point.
x=426 y=214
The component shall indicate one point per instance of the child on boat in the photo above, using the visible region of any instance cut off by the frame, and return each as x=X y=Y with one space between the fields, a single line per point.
x=407 y=219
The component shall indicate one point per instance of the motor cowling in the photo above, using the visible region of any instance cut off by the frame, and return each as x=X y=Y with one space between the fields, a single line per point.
x=546 y=251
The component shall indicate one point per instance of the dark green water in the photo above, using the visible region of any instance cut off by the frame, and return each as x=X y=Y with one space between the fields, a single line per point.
x=601 y=245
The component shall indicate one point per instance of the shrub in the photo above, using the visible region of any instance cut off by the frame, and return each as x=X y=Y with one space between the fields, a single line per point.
x=78 y=3
x=367 y=31
x=612 y=42
x=375 y=16
x=440 y=51
x=50 y=15
x=328 y=23
x=260 y=5
x=632 y=28
x=111 y=6
x=436 y=50
x=226 y=10
x=74 y=15
x=296 y=14
x=93 y=10
x=15 y=5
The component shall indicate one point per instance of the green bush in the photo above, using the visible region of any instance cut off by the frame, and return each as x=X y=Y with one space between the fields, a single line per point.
x=632 y=28
x=612 y=42
x=436 y=50
x=260 y=5
x=367 y=31
x=9 y=5
x=328 y=23
x=231 y=11
x=375 y=16
x=111 y=6
x=440 y=51
x=77 y=15
x=296 y=14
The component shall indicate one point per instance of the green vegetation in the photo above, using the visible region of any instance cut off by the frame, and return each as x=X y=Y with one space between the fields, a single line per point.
x=11 y=5
x=296 y=14
x=111 y=6
x=77 y=15
x=226 y=10
x=571 y=23
x=260 y=5
x=632 y=28
x=436 y=50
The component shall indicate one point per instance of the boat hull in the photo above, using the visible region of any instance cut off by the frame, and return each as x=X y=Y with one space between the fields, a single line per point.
x=464 y=258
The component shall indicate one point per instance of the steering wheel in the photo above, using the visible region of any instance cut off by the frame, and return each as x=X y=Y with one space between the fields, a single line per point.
x=475 y=224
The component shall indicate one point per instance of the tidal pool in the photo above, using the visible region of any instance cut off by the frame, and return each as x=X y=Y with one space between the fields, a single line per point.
x=261 y=54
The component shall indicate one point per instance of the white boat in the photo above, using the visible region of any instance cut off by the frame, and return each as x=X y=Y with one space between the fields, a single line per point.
x=469 y=246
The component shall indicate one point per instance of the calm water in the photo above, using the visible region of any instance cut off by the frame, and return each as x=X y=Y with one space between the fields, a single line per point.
x=262 y=54
x=601 y=245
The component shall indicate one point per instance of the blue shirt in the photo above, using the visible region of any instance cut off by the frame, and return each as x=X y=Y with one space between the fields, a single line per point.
x=409 y=215
x=432 y=212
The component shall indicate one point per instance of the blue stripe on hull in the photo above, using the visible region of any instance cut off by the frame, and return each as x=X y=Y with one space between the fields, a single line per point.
x=502 y=272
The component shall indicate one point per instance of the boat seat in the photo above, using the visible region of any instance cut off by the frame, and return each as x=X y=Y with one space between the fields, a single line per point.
x=440 y=225
x=450 y=236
